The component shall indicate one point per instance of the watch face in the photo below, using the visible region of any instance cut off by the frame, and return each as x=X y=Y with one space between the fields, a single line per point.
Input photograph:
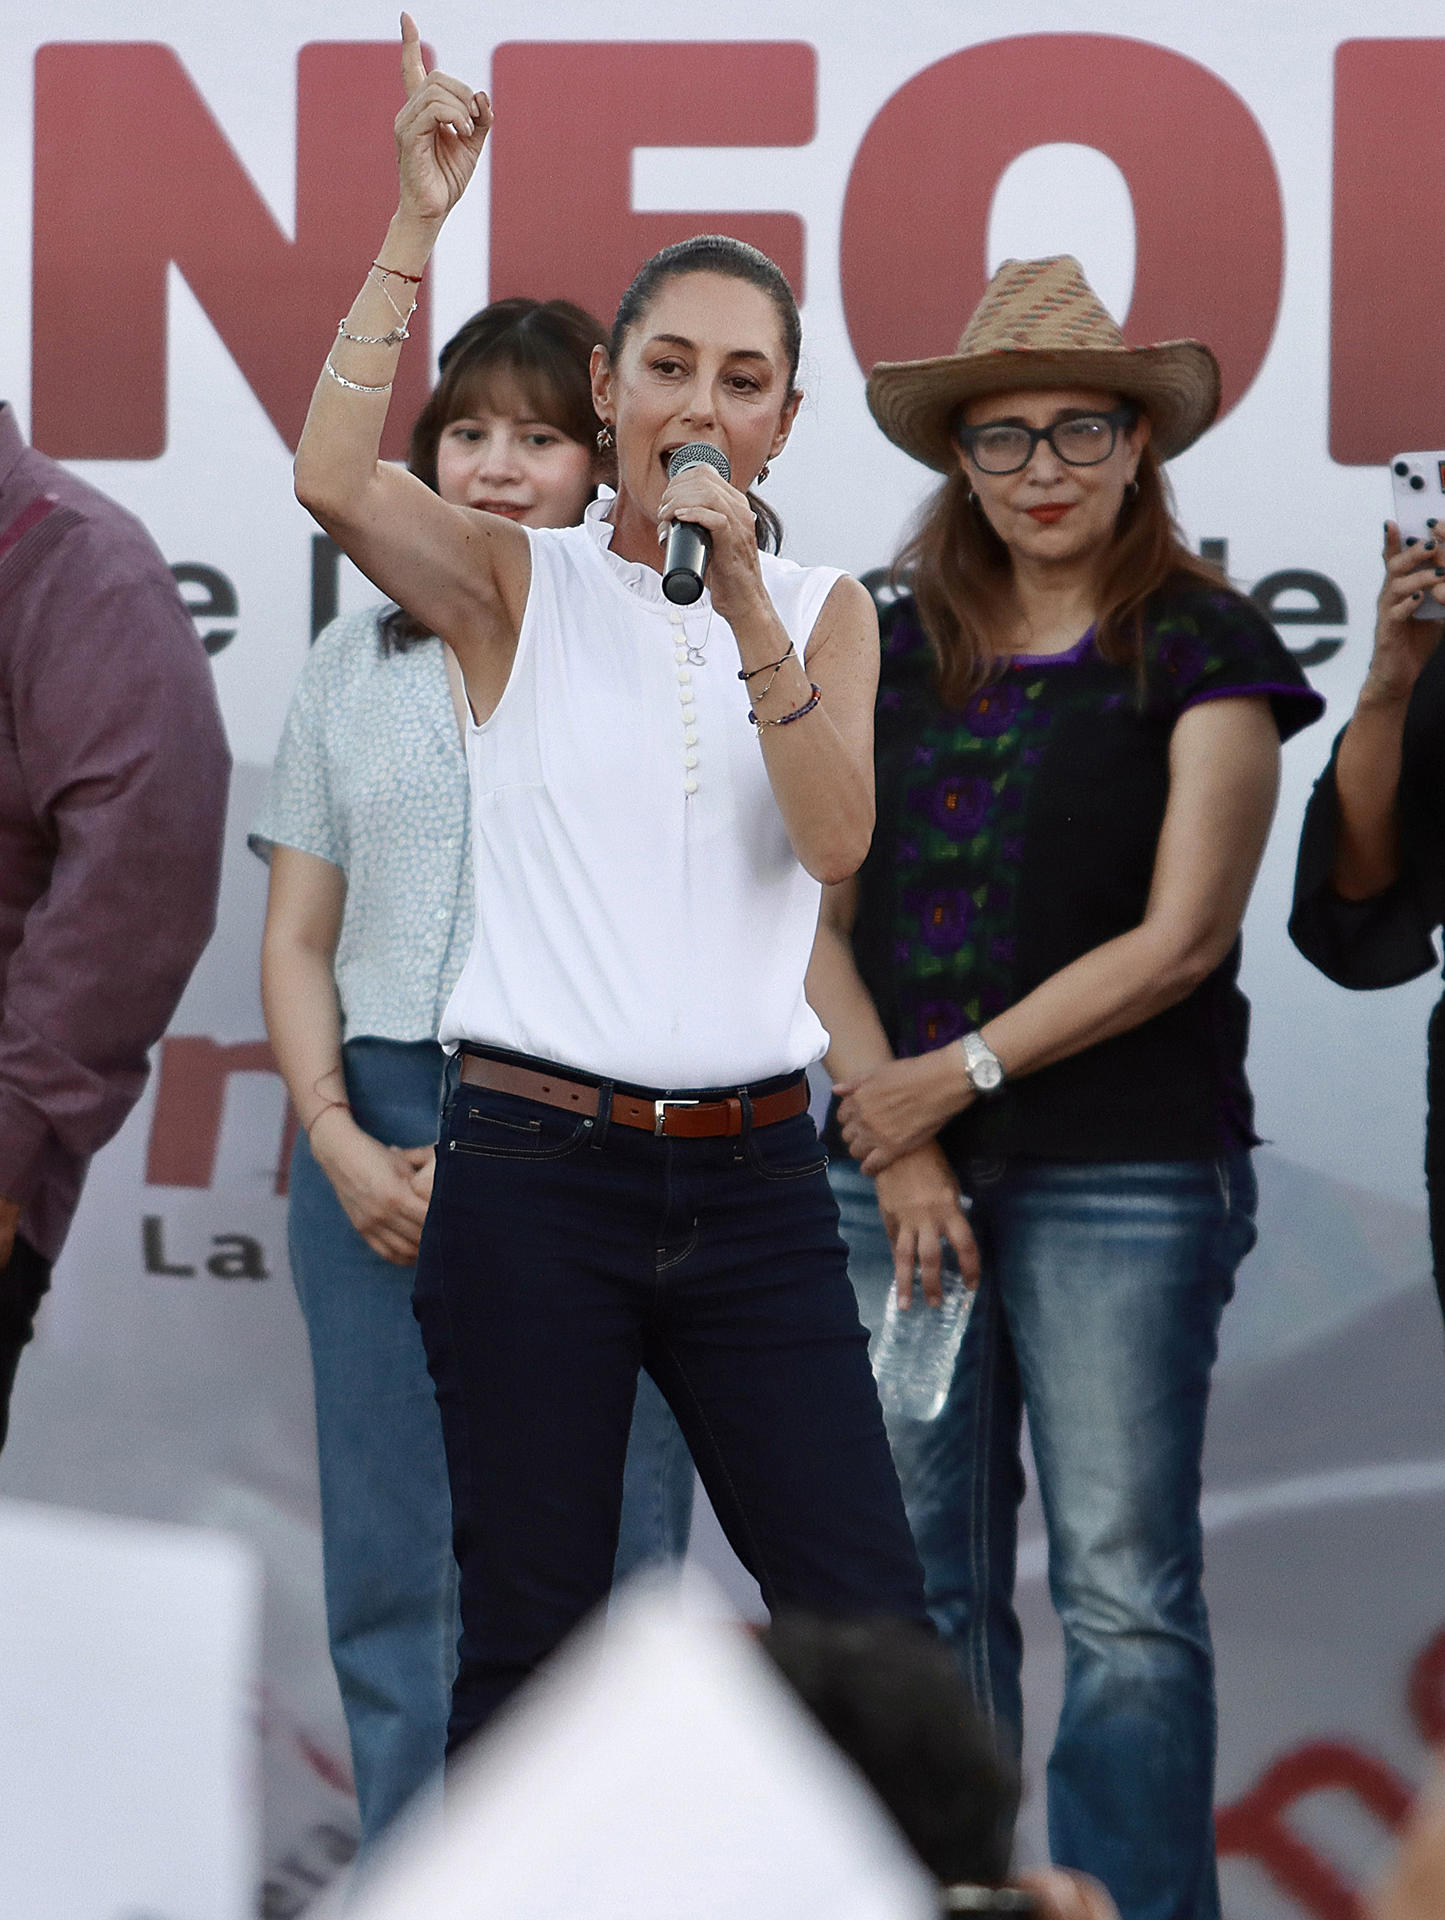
x=986 y=1075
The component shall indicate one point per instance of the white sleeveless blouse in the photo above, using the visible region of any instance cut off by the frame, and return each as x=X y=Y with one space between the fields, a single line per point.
x=640 y=912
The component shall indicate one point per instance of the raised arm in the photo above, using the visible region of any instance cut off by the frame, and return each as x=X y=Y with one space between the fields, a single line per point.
x=463 y=572
x=821 y=765
x=1223 y=778
x=819 y=760
x=1367 y=768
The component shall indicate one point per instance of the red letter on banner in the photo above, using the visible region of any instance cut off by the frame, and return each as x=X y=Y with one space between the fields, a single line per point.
x=190 y=1099
x=1256 y=1827
x=1387 y=302
x=153 y=180
x=1209 y=231
x=569 y=115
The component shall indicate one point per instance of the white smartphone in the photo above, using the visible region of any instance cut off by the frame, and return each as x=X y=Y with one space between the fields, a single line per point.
x=1419 y=483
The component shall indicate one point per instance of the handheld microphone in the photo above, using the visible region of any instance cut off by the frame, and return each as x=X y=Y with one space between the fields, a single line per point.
x=687 y=545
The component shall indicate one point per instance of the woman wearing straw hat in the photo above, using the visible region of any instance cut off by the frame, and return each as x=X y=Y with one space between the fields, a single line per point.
x=1030 y=988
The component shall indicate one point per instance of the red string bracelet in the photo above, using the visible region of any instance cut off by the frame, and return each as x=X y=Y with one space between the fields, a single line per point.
x=397 y=274
x=324 y=1110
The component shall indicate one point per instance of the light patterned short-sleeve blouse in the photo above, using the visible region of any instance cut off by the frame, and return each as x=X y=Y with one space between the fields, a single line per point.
x=371 y=776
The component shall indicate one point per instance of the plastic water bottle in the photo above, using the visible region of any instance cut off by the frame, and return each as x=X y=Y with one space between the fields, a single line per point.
x=917 y=1349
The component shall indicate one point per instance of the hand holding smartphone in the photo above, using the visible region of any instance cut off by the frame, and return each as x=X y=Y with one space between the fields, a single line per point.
x=1418 y=480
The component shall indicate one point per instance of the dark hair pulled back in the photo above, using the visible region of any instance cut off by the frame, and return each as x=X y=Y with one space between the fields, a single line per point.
x=542 y=347
x=736 y=260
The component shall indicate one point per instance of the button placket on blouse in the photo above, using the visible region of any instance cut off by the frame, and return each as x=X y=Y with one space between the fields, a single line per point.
x=687 y=700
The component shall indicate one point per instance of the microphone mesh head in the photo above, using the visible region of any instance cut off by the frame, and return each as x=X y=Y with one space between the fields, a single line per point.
x=697 y=453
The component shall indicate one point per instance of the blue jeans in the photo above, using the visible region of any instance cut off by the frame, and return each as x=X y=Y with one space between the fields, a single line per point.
x=1098 y=1315
x=386 y=1515
x=560 y=1254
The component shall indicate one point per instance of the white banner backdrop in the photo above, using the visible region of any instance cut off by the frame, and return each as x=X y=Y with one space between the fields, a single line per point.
x=1231 y=174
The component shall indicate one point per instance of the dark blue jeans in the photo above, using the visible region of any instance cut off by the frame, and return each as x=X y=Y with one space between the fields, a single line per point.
x=559 y=1255
x=386 y=1511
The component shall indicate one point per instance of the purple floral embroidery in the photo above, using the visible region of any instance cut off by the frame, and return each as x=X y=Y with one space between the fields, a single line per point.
x=1183 y=656
x=994 y=709
x=940 y=1021
x=960 y=789
x=944 y=918
x=991 y=1000
x=959 y=804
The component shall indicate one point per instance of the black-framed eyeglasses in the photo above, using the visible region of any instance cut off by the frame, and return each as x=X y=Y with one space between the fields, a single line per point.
x=1083 y=440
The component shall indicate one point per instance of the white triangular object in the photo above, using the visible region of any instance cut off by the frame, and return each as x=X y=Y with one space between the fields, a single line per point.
x=657 y=1769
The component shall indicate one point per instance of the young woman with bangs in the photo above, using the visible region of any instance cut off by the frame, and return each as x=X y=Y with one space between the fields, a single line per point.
x=1036 y=1035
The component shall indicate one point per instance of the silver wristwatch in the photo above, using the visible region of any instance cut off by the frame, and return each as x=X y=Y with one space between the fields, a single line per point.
x=982 y=1065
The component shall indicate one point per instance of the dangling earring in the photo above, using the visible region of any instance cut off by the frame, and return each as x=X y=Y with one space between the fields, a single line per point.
x=763 y=471
x=605 y=440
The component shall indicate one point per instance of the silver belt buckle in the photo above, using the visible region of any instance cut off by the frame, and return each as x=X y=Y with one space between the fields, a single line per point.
x=659 y=1111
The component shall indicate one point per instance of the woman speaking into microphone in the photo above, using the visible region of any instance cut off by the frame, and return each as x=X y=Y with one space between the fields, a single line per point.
x=627 y=1175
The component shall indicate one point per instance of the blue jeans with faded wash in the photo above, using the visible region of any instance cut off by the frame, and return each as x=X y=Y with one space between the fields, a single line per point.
x=1098 y=1315
x=386 y=1511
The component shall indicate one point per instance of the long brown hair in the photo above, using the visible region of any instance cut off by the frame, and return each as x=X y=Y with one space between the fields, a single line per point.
x=543 y=348
x=961 y=578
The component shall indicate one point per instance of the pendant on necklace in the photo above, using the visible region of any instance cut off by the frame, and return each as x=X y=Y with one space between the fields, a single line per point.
x=696 y=650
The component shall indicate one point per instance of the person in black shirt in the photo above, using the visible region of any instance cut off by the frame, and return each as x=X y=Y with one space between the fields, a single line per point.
x=1370 y=883
x=1030 y=989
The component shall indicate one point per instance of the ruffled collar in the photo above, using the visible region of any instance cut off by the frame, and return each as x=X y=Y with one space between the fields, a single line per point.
x=631 y=574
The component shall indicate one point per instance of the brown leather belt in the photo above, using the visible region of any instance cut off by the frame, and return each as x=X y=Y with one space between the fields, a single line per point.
x=677 y=1119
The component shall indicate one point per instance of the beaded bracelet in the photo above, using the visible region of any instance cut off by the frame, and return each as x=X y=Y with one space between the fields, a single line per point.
x=787 y=719
x=782 y=660
x=772 y=669
x=352 y=386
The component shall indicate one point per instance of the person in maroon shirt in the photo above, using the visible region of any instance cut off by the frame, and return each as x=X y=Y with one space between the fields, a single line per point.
x=113 y=779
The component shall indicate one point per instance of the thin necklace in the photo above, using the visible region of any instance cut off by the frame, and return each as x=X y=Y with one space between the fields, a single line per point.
x=696 y=649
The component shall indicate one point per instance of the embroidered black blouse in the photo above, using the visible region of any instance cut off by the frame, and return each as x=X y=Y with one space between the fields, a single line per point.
x=1020 y=832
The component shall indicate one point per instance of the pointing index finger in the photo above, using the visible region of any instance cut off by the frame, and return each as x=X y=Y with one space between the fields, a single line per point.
x=413 y=66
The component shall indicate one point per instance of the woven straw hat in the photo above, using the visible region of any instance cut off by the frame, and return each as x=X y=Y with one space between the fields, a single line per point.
x=1040 y=324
